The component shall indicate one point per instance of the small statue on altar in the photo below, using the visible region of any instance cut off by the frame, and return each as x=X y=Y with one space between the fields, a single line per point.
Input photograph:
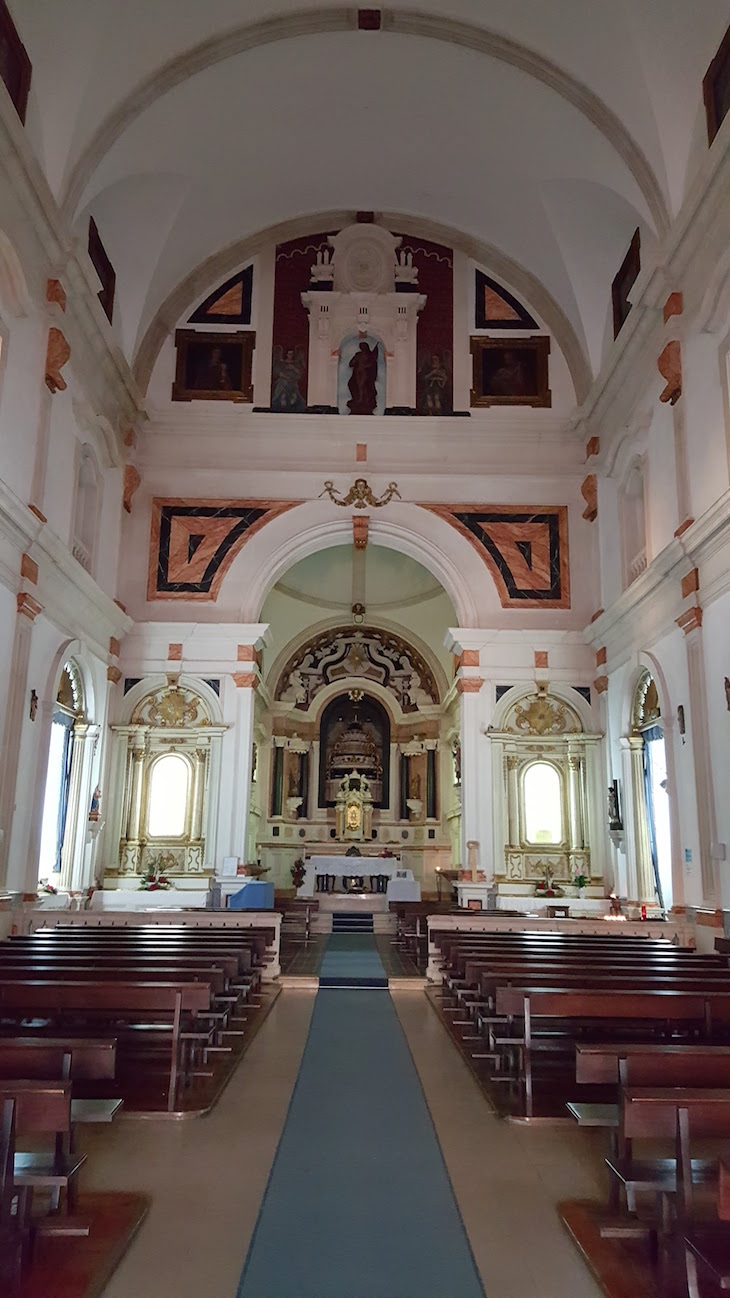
x=363 y=394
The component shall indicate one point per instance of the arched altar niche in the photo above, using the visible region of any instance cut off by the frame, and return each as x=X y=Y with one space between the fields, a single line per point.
x=165 y=775
x=354 y=735
x=547 y=769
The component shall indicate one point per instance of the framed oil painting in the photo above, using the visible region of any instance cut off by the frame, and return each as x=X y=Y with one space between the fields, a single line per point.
x=103 y=268
x=15 y=68
x=716 y=88
x=213 y=366
x=624 y=282
x=510 y=372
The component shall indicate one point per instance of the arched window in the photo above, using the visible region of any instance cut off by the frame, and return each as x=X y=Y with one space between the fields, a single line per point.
x=543 y=804
x=633 y=525
x=68 y=709
x=169 y=788
x=86 y=508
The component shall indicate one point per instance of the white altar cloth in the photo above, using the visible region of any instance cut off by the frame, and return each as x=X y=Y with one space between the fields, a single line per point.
x=357 y=866
x=404 y=890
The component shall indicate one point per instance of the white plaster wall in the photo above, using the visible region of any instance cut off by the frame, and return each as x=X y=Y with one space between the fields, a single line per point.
x=61 y=471
x=716 y=636
x=660 y=482
x=706 y=432
x=7 y=626
x=21 y=394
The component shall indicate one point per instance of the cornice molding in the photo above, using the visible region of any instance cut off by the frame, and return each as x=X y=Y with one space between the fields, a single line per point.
x=653 y=605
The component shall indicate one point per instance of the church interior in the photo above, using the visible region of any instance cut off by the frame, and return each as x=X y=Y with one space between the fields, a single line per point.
x=364 y=667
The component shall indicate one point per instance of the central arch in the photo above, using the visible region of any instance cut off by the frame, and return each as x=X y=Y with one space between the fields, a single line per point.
x=415 y=532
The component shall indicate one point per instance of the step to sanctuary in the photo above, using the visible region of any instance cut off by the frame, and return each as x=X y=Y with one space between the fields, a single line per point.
x=352 y=922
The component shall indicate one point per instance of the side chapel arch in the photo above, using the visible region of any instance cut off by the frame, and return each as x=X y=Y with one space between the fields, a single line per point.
x=165 y=717
x=549 y=727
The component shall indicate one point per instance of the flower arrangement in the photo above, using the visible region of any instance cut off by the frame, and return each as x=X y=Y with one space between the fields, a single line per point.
x=298 y=872
x=46 y=889
x=547 y=887
x=154 y=879
x=580 y=881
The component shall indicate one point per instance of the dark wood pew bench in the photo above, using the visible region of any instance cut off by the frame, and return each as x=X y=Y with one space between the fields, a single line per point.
x=43 y=1109
x=156 y=1015
x=598 y=1009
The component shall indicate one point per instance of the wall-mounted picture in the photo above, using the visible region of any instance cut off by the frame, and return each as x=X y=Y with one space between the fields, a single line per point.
x=716 y=88
x=624 y=282
x=509 y=372
x=213 y=366
x=15 y=68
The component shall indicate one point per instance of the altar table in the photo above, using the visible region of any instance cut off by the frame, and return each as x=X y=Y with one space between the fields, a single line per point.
x=359 y=867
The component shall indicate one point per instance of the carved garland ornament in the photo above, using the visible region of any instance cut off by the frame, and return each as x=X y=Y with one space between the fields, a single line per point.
x=360 y=494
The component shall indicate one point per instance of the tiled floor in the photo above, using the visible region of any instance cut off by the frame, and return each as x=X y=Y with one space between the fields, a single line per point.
x=207 y=1177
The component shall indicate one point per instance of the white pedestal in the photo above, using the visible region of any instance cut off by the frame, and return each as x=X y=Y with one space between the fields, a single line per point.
x=467 y=891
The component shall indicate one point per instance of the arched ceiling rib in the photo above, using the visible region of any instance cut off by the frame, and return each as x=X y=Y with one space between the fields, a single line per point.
x=340 y=19
x=216 y=267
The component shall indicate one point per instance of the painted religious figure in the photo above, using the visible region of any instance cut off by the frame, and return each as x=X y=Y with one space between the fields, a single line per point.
x=288 y=369
x=212 y=373
x=434 y=385
x=363 y=394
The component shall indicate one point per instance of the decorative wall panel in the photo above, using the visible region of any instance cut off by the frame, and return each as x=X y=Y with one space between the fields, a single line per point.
x=345 y=652
x=193 y=542
x=524 y=547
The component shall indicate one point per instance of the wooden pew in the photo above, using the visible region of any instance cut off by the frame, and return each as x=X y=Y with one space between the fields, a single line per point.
x=14 y=1234
x=679 y=1114
x=43 y=1109
x=707 y=1246
x=591 y=1007
x=643 y=1064
x=85 y=1061
x=159 y=1008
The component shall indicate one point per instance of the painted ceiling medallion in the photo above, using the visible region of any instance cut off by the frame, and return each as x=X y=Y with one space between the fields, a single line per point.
x=360 y=494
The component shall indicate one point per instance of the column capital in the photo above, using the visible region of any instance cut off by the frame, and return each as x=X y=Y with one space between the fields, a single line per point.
x=469 y=684
x=28 y=606
x=690 y=620
x=246 y=680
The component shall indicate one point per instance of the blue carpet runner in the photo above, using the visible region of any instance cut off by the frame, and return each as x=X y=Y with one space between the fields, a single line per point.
x=359 y=1203
x=352 y=960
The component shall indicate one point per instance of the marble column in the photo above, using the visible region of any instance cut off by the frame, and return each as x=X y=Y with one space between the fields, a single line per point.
x=28 y=610
x=475 y=780
x=247 y=684
x=575 y=818
x=79 y=800
x=636 y=822
x=513 y=800
x=691 y=624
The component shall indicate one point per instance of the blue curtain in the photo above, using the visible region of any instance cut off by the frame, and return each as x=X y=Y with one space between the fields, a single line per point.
x=62 y=719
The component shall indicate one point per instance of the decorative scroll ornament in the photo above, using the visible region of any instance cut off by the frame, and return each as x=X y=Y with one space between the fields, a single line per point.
x=343 y=652
x=171 y=706
x=360 y=494
x=543 y=715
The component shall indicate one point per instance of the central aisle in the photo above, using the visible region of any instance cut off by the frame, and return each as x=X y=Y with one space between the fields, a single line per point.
x=359 y=1203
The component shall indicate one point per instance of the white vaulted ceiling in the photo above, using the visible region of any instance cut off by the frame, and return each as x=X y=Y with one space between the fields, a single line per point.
x=547 y=131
